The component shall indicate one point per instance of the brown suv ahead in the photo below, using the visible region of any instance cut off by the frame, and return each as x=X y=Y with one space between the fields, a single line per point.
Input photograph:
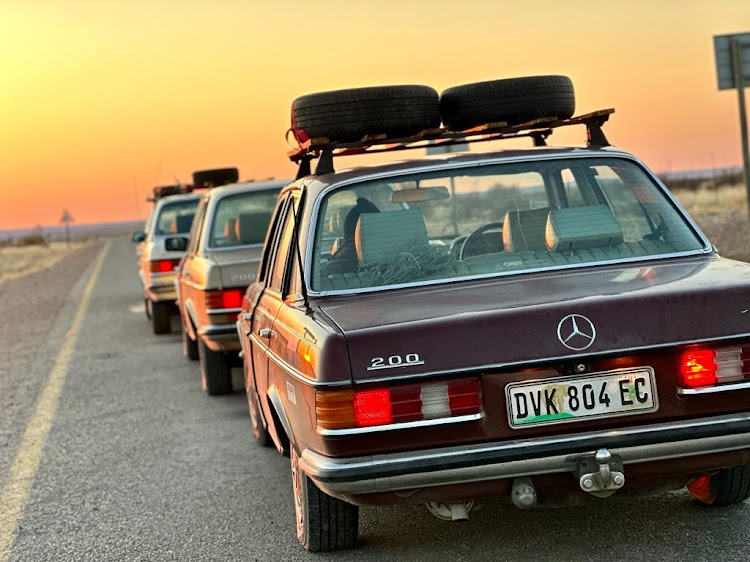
x=523 y=323
x=222 y=255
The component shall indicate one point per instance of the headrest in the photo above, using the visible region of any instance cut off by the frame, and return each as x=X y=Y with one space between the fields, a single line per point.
x=230 y=230
x=350 y=221
x=582 y=227
x=383 y=236
x=181 y=223
x=250 y=228
x=523 y=231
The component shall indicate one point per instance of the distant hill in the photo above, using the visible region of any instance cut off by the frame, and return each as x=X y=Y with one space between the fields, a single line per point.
x=77 y=231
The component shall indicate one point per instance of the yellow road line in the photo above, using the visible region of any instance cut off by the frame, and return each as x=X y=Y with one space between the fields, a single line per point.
x=18 y=486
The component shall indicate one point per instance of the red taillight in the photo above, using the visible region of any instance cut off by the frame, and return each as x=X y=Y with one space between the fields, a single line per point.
x=398 y=404
x=224 y=299
x=697 y=367
x=372 y=407
x=163 y=266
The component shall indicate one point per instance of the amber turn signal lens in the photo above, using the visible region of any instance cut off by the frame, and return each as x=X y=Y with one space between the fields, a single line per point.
x=335 y=409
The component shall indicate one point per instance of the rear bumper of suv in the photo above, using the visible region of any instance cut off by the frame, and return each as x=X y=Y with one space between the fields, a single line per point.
x=509 y=459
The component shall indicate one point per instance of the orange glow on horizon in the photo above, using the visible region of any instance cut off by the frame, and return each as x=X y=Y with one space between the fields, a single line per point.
x=99 y=102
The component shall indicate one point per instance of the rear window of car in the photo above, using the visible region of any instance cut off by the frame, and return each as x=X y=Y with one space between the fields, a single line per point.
x=176 y=217
x=242 y=219
x=492 y=220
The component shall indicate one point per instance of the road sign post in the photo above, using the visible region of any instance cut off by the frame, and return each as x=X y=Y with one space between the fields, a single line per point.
x=733 y=70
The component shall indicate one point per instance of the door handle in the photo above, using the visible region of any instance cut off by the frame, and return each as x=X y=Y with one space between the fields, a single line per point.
x=265 y=332
x=247 y=316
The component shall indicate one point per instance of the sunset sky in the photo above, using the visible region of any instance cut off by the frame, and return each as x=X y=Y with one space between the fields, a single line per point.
x=100 y=101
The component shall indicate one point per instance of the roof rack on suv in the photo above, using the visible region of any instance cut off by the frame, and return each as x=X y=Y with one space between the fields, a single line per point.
x=537 y=129
x=163 y=190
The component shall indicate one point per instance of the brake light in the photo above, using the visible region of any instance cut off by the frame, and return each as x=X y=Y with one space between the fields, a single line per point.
x=231 y=298
x=397 y=404
x=711 y=366
x=698 y=367
x=163 y=266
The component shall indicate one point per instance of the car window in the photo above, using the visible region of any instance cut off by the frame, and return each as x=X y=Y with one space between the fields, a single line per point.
x=282 y=250
x=197 y=227
x=242 y=219
x=488 y=220
x=176 y=217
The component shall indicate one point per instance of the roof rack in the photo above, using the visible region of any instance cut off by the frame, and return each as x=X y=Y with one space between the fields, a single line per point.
x=538 y=129
x=163 y=190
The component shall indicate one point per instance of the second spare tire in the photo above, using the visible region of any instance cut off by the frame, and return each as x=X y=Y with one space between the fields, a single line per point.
x=349 y=115
x=512 y=100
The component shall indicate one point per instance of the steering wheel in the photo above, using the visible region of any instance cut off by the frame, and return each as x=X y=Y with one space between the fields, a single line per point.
x=473 y=237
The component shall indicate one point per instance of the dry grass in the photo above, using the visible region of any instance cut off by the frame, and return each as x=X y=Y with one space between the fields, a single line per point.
x=16 y=262
x=707 y=200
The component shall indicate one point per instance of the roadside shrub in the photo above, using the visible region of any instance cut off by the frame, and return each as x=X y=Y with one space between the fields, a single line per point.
x=32 y=240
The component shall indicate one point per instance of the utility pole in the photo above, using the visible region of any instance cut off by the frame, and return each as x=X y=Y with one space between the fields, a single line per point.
x=66 y=219
x=733 y=70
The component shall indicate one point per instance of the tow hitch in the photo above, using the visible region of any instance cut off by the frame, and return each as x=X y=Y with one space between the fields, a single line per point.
x=601 y=474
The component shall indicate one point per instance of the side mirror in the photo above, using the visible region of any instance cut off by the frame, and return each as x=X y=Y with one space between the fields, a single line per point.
x=176 y=244
x=139 y=236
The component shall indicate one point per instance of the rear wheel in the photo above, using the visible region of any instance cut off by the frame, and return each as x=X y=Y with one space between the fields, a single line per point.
x=324 y=523
x=725 y=487
x=189 y=345
x=161 y=321
x=216 y=373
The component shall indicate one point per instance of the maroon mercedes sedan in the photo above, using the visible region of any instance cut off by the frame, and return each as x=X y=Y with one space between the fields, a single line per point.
x=533 y=324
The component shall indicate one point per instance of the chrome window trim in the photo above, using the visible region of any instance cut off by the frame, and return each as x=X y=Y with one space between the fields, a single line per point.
x=224 y=310
x=729 y=387
x=229 y=248
x=544 y=360
x=438 y=166
x=394 y=426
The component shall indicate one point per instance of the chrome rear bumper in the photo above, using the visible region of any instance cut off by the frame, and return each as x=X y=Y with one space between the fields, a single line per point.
x=529 y=457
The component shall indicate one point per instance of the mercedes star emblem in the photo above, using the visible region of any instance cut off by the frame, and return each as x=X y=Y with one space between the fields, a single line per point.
x=576 y=332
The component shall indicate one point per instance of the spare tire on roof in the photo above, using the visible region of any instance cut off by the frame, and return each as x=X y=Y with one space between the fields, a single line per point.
x=349 y=115
x=215 y=177
x=513 y=100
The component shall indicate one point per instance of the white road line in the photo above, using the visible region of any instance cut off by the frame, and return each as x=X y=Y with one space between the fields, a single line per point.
x=17 y=488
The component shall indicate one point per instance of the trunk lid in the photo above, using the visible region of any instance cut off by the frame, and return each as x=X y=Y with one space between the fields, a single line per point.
x=237 y=267
x=524 y=319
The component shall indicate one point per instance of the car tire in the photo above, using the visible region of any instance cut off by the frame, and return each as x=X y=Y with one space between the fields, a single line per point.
x=161 y=319
x=324 y=523
x=260 y=433
x=725 y=487
x=216 y=373
x=348 y=115
x=189 y=345
x=513 y=100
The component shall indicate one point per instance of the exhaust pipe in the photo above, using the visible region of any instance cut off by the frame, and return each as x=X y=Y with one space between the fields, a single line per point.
x=523 y=493
x=450 y=511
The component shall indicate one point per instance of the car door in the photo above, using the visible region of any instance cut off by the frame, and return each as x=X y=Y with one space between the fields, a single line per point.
x=188 y=278
x=265 y=300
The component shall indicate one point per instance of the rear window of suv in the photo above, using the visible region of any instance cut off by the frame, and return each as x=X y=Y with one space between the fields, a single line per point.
x=490 y=220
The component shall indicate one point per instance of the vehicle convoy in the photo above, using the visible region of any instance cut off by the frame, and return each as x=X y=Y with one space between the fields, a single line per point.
x=172 y=214
x=222 y=256
x=531 y=323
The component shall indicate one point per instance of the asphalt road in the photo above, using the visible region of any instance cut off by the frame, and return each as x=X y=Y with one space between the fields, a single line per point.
x=139 y=464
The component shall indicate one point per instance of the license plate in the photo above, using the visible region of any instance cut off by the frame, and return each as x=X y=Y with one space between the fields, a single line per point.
x=570 y=399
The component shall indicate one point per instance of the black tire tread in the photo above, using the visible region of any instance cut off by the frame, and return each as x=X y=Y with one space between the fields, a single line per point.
x=215 y=369
x=513 y=100
x=189 y=346
x=345 y=115
x=332 y=524
x=731 y=485
x=215 y=177
x=161 y=321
